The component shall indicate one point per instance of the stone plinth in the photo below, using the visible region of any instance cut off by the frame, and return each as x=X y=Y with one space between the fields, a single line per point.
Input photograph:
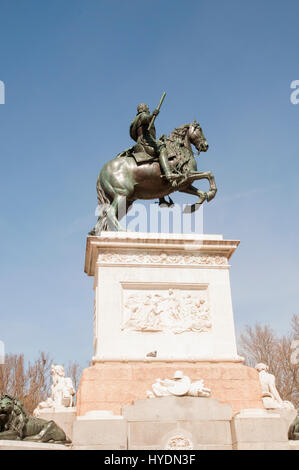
x=287 y=415
x=259 y=430
x=162 y=303
x=178 y=423
x=111 y=385
x=161 y=292
x=100 y=434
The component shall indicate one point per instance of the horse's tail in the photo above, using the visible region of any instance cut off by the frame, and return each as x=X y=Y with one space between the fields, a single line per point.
x=102 y=211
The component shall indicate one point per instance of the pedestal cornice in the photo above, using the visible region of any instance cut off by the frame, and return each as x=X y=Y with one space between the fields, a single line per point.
x=157 y=249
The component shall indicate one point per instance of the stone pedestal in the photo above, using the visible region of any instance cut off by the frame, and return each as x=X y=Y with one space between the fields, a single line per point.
x=178 y=423
x=162 y=303
x=287 y=416
x=96 y=432
x=259 y=430
x=161 y=292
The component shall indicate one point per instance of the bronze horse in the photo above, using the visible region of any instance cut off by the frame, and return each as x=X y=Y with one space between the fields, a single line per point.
x=123 y=180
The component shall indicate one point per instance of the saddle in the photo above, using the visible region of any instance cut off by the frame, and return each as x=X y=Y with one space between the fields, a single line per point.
x=143 y=154
x=139 y=154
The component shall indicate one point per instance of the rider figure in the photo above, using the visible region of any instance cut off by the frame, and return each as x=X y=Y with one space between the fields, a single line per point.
x=147 y=139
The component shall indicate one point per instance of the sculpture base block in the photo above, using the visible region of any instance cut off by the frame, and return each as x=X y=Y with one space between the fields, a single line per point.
x=100 y=434
x=168 y=293
x=259 y=431
x=178 y=423
x=109 y=385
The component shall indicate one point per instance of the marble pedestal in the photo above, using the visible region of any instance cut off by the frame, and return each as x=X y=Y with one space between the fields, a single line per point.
x=178 y=423
x=162 y=303
x=259 y=430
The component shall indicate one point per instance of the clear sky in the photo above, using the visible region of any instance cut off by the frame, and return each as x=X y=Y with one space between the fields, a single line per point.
x=74 y=73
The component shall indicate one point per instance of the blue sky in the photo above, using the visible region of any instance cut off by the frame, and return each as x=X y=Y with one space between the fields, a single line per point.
x=74 y=72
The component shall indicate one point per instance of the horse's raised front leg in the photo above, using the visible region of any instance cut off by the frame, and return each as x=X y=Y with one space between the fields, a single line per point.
x=200 y=175
x=195 y=192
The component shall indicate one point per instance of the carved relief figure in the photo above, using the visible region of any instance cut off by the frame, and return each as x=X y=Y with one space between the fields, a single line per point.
x=170 y=311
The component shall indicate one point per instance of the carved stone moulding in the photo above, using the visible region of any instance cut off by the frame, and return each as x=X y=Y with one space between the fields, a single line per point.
x=157 y=249
x=159 y=258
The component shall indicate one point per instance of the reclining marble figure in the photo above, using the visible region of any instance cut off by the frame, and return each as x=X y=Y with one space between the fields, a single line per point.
x=180 y=385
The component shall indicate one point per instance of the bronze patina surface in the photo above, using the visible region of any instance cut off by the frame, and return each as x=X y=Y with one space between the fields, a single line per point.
x=152 y=168
x=17 y=424
x=294 y=430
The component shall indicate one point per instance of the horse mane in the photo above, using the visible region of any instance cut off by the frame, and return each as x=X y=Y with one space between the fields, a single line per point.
x=179 y=132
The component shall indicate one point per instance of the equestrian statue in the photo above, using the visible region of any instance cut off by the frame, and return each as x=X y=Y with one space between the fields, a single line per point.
x=151 y=169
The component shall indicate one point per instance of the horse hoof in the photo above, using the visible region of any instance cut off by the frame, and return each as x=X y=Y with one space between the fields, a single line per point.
x=211 y=194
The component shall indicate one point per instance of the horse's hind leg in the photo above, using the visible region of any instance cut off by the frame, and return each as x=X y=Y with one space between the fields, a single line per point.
x=116 y=211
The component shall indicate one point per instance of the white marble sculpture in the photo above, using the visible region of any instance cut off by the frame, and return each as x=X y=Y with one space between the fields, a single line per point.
x=270 y=395
x=167 y=311
x=180 y=385
x=62 y=392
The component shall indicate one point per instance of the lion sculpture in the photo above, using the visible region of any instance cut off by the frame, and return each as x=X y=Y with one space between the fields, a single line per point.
x=17 y=424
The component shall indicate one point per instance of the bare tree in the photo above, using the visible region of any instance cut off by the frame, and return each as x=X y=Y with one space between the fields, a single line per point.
x=38 y=381
x=258 y=344
x=261 y=344
x=31 y=383
x=9 y=377
x=295 y=326
x=74 y=371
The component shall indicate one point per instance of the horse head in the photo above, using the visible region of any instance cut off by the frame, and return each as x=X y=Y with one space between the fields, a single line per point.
x=197 y=138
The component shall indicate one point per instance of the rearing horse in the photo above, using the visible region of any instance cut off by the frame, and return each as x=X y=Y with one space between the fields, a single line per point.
x=122 y=180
